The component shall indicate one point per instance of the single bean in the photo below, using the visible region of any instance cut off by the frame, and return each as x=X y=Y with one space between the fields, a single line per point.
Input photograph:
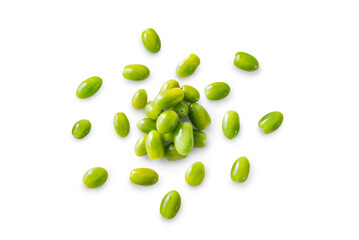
x=168 y=85
x=245 y=61
x=140 y=147
x=146 y=125
x=88 y=87
x=199 y=116
x=169 y=98
x=151 y=111
x=95 y=177
x=121 y=124
x=199 y=138
x=217 y=90
x=188 y=65
x=230 y=124
x=81 y=128
x=139 y=99
x=181 y=109
x=195 y=174
x=167 y=121
x=171 y=153
x=143 y=176
x=270 y=122
x=136 y=72
x=155 y=145
x=170 y=204
x=191 y=94
x=183 y=138
x=240 y=170
x=151 y=40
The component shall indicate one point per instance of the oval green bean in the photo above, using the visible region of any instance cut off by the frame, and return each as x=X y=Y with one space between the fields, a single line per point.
x=188 y=65
x=136 y=72
x=155 y=145
x=170 y=204
x=195 y=174
x=121 y=124
x=183 y=138
x=95 y=177
x=199 y=116
x=245 y=61
x=230 y=124
x=217 y=91
x=88 y=87
x=81 y=128
x=143 y=176
x=191 y=94
x=271 y=122
x=167 y=121
x=139 y=99
x=151 y=40
x=240 y=170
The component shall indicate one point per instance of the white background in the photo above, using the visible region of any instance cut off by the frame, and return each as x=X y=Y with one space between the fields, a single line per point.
x=304 y=177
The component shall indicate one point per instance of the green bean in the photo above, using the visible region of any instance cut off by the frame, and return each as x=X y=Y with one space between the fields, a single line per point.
x=151 y=40
x=81 y=128
x=240 y=170
x=95 y=177
x=139 y=99
x=170 y=204
x=143 y=176
x=89 y=87
x=121 y=124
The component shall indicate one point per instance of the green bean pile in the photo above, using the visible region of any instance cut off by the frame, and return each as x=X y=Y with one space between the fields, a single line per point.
x=175 y=123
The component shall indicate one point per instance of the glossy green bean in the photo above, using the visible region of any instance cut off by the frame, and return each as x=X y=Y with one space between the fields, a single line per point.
x=143 y=176
x=139 y=99
x=271 y=122
x=183 y=138
x=151 y=40
x=199 y=116
x=240 y=170
x=121 y=124
x=167 y=121
x=155 y=146
x=136 y=72
x=170 y=204
x=95 y=177
x=81 y=128
x=230 y=124
x=187 y=66
x=140 y=146
x=88 y=87
x=245 y=61
x=191 y=94
x=217 y=91
x=195 y=174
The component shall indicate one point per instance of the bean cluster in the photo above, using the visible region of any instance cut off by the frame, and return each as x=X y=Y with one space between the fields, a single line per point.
x=174 y=124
